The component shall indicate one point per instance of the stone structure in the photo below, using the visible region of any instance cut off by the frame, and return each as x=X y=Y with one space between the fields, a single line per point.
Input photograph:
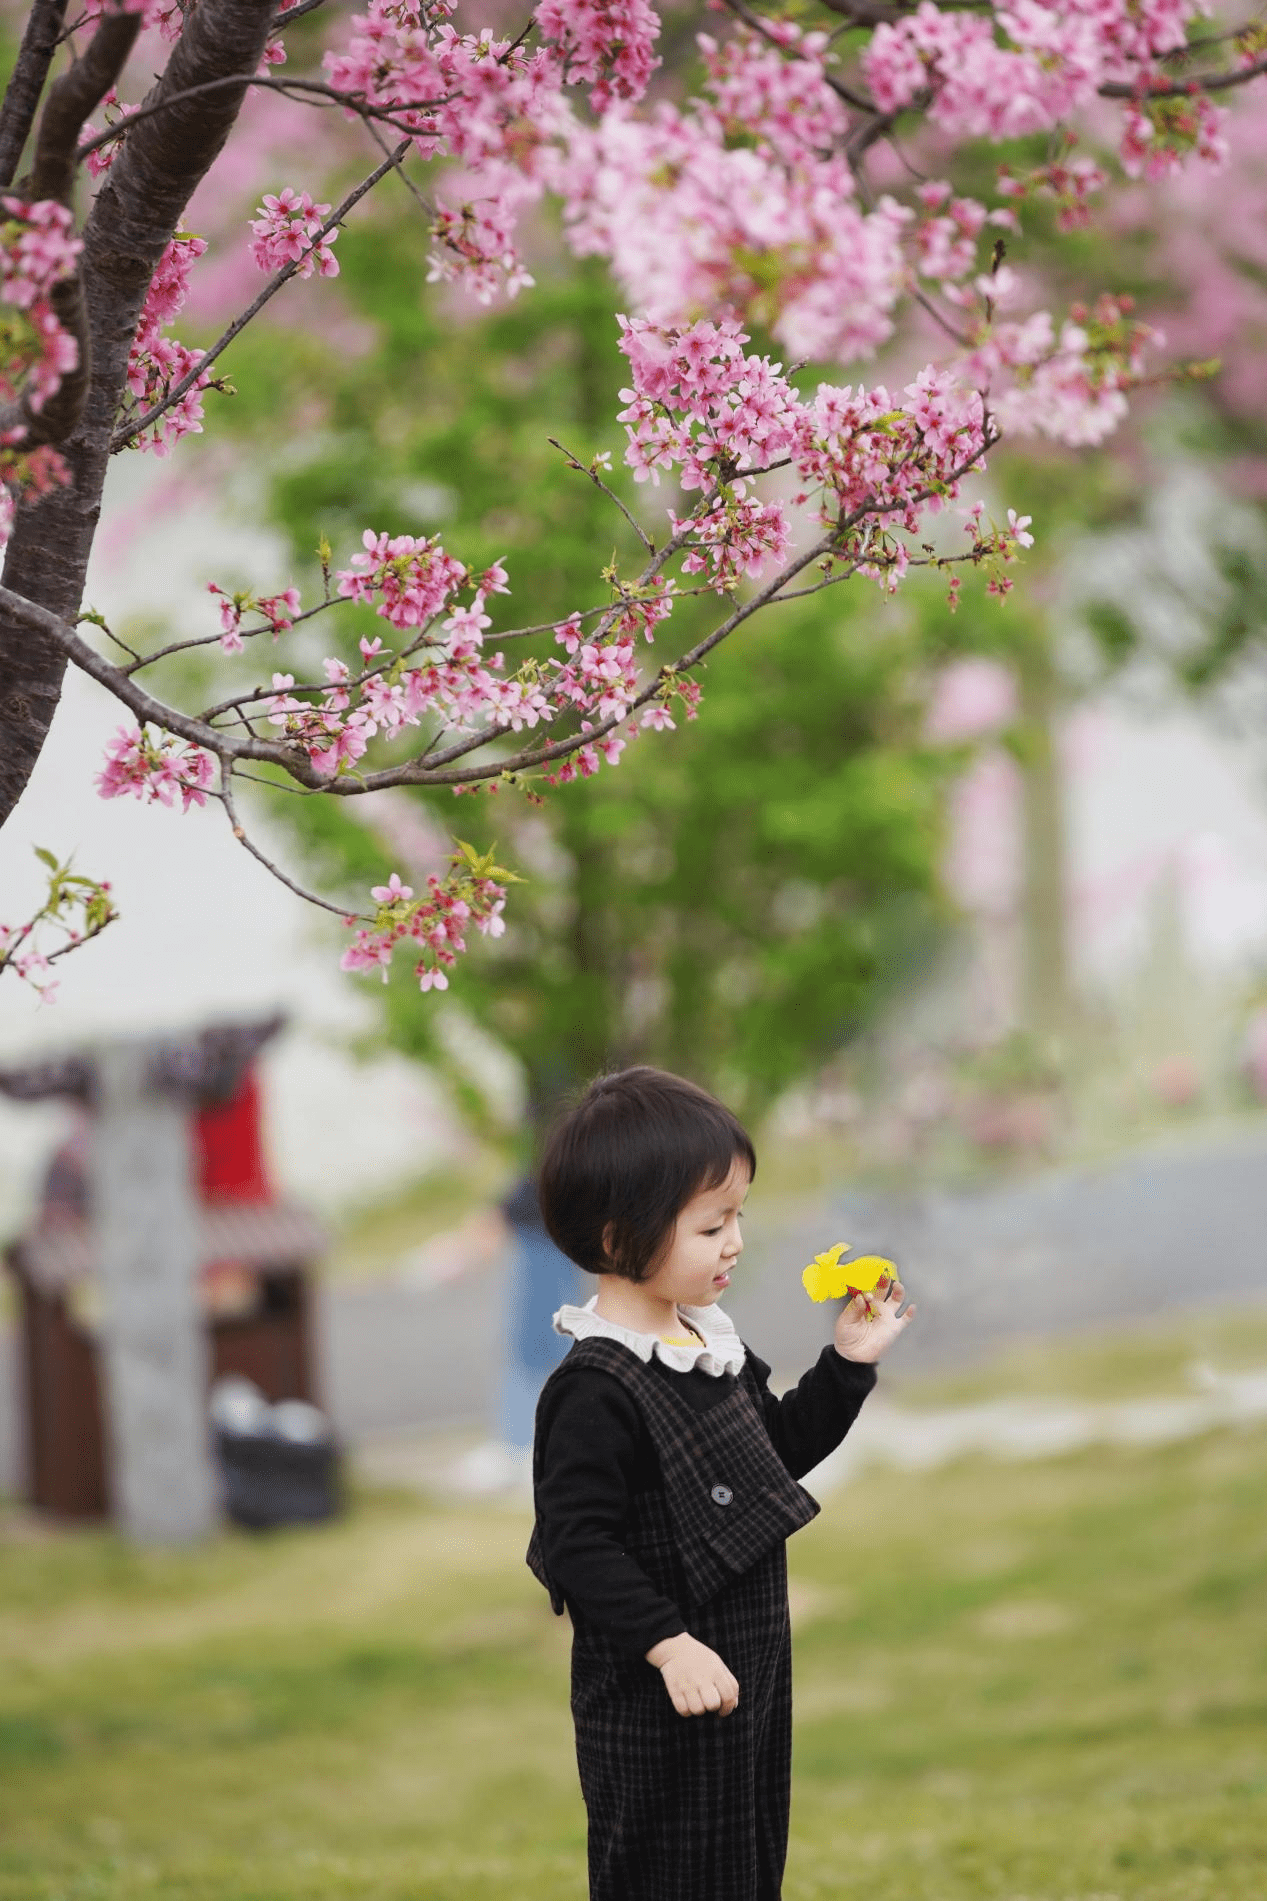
x=146 y=1233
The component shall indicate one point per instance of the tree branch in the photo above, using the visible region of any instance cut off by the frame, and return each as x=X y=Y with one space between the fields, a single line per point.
x=318 y=89
x=26 y=83
x=1195 y=82
x=122 y=437
x=147 y=710
x=140 y=660
x=441 y=768
x=296 y=13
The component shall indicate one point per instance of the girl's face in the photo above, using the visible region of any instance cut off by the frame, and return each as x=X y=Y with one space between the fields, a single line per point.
x=706 y=1243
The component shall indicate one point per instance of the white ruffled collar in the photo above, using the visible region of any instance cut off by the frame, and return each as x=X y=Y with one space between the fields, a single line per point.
x=718 y=1351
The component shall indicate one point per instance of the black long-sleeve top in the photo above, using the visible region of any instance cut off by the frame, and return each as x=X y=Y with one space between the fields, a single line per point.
x=594 y=1452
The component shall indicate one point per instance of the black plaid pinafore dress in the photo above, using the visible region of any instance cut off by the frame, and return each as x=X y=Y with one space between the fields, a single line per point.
x=692 y=1808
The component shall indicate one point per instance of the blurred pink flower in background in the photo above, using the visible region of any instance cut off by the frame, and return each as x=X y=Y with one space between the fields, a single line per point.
x=983 y=860
x=972 y=698
x=1176 y=1083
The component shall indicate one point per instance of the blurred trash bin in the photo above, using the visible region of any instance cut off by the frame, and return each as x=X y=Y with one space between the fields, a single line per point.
x=278 y=1464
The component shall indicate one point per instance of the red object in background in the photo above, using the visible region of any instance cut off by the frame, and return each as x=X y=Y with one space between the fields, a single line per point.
x=229 y=1148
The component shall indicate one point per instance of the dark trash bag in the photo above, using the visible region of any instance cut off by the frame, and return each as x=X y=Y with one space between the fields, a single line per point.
x=278 y=1464
x=272 y=1481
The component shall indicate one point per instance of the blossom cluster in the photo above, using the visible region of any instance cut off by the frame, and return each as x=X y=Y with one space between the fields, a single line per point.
x=1071 y=383
x=1160 y=134
x=694 y=218
x=994 y=548
x=158 y=771
x=947 y=238
x=469 y=895
x=409 y=580
x=288 y=230
x=607 y=45
x=38 y=251
x=156 y=363
x=103 y=158
x=715 y=415
x=414 y=584
x=27 y=961
x=742 y=200
x=703 y=408
x=494 y=106
x=699 y=405
x=475 y=247
x=1021 y=69
x=1071 y=182
x=276 y=613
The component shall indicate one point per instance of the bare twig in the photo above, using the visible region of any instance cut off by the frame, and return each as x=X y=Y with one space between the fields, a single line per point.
x=549 y=626
x=225 y=795
x=939 y=317
x=211 y=640
x=85 y=937
x=398 y=162
x=111 y=635
x=598 y=482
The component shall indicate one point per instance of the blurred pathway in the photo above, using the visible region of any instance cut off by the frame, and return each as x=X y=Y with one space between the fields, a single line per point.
x=1141 y=1236
x=911 y=1439
x=1138 y=1237
x=891 y=1435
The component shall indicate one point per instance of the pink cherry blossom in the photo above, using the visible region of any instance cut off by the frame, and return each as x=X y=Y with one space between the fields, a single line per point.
x=410 y=580
x=391 y=891
x=156 y=363
x=156 y=771
x=287 y=230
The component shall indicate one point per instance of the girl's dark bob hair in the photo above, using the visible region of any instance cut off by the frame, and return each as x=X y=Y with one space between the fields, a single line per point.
x=619 y=1168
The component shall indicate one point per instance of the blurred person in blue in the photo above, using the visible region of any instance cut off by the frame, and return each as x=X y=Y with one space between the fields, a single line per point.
x=540 y=1281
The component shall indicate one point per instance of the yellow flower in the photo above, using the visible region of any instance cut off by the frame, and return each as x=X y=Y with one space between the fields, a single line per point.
x=828 y=1278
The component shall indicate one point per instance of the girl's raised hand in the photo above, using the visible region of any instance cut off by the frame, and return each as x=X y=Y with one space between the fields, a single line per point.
x=869 y=1324
x=695 y=1677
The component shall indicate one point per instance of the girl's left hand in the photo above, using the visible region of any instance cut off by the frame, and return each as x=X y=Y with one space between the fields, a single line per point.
x=867 y=1327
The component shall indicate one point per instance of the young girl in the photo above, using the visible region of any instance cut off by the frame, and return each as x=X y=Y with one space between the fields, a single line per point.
x=665 y=1479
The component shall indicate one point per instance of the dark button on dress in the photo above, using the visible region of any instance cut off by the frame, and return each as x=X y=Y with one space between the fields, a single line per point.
x=692 y=1808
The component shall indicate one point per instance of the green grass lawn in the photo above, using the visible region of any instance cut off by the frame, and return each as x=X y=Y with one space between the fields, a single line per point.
x=1036 y=1683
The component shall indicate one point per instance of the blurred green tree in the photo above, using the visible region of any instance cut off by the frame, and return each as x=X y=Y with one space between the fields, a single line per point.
x=733 y=902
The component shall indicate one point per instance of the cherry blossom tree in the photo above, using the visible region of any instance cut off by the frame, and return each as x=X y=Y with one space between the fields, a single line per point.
x=770 y=199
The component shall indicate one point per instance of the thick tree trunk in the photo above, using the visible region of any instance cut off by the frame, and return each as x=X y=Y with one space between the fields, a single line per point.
x=137 y=209
x=26 y=82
